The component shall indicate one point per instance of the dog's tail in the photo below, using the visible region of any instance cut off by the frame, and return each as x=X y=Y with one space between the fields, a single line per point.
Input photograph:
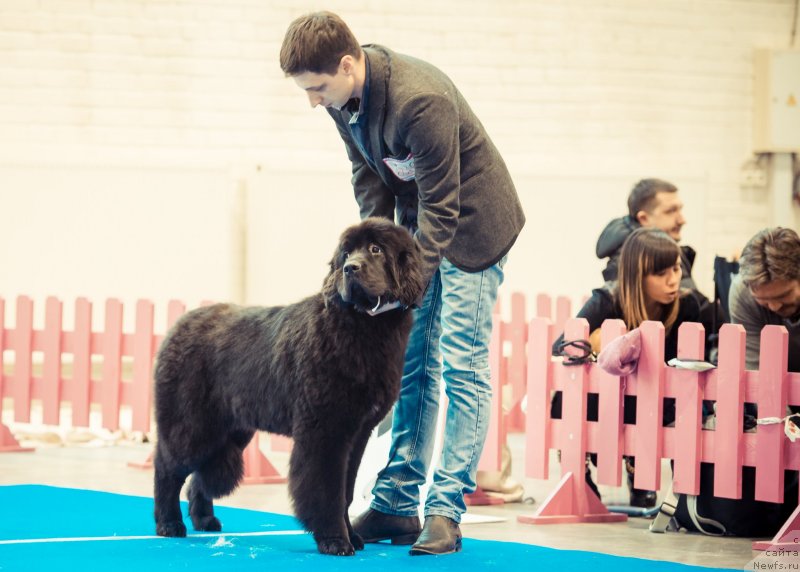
x=220 y=474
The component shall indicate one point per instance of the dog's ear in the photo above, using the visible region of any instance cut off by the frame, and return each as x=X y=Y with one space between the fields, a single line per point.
x=330 y=291
x=410 y=284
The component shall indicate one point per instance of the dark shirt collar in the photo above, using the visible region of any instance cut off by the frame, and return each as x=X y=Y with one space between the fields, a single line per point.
x=358 y=107
x=352 y=106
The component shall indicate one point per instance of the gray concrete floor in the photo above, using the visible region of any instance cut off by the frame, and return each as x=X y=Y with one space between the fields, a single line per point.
x=105 y=468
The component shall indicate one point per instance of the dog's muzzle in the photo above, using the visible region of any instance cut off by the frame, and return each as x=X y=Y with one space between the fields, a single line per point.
x=353 y=292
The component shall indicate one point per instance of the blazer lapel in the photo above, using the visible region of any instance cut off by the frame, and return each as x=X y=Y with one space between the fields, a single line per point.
x=380 y=73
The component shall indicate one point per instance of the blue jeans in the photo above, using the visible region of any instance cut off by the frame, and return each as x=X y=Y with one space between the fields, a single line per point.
x=450 y=341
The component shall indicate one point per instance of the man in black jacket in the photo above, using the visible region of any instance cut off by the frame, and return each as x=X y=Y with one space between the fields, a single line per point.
x=655 y=203
x=651 y=203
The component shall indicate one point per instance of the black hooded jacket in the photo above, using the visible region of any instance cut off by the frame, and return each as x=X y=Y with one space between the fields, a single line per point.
x=610 y=243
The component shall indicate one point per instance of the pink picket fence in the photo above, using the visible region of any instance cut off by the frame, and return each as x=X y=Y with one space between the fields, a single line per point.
x=513 y=335
x=520 y=359
x=88 y=386
x=687 y=443
x=508 y=362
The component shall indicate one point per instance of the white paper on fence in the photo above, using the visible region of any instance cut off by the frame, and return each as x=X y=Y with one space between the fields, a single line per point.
x=691 y=365
x=377 y=453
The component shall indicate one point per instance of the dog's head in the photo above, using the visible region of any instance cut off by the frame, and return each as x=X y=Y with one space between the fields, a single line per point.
x=376 y=262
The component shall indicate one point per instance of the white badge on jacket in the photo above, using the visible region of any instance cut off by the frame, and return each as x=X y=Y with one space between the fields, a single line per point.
x=403 y=169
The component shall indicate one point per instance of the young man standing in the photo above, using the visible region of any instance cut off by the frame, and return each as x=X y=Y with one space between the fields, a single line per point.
x=420 y=156
x=767 y=291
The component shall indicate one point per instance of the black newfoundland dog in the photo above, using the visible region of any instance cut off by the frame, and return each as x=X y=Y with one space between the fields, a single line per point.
x=322 y=371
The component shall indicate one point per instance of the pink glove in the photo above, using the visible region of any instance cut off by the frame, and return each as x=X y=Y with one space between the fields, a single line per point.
x=621 y=356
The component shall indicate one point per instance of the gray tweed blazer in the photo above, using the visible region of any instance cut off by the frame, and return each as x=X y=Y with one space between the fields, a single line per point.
x=461 y=202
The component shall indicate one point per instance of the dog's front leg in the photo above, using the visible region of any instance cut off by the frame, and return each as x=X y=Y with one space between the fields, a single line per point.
x=353 y=462
x=317 y=474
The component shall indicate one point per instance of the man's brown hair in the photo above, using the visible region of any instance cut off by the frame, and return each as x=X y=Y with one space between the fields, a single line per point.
x=316 y=43
x=643 y=195
x=772 y=254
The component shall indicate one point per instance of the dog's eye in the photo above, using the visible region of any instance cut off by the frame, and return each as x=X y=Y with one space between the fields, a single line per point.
x=375 y=249
x=345 y=253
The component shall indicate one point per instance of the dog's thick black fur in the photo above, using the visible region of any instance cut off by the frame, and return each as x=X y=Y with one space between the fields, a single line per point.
x=322 y=371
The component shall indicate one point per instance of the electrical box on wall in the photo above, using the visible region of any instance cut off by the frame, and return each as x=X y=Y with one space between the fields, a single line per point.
x=776 y=93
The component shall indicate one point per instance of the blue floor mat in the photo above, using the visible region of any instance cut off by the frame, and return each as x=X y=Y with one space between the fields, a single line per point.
x=36 y=511
x=33 y=512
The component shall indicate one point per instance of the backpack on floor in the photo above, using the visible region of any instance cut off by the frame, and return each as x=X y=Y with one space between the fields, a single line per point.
x=735 y=517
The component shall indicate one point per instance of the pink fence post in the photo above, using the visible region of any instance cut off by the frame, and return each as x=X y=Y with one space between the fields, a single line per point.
x=728 y=437
x=175 y=309
x=112 y=364
x=22 y=346
x=687 y=388
x=562 y=313
x=142 y=366
x=257 y=468
x=610 y=436
x=773 y=394
x=544 y=310
x=575 y=390
x=649 y=382
x=80 y=394
x=573 y=500
x=517 y=335
x=537 y=422
x=8 y=444
x=543 y=306
x=774 y=344
x=51 y=368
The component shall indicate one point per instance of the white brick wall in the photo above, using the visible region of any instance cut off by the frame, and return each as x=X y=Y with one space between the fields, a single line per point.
x=583 y=97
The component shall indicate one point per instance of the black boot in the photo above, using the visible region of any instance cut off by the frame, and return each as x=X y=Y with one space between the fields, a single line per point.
x=374 y=526
x=440 y=535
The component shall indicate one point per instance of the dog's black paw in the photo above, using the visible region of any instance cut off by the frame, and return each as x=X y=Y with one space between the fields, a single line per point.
x=207 y=524
x=335 y=547
x=175 y=528
x=356 y=541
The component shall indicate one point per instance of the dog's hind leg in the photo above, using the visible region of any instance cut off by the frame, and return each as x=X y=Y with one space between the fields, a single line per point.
x=201 y=507
x=219 y=476
x=167 y=490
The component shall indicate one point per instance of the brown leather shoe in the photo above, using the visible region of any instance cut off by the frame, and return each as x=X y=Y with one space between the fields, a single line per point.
x=374 y=526
x=440 y=535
